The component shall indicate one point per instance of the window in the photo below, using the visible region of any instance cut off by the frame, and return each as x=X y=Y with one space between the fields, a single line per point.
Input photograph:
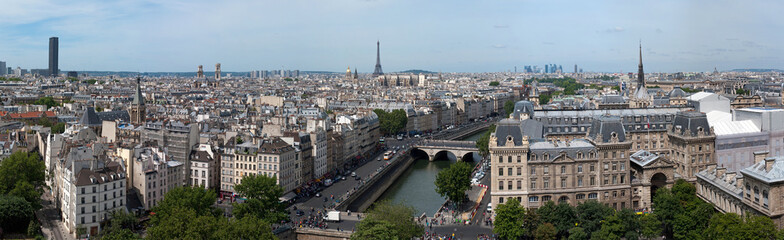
x=563 y=182
x=623 y=176
x=592 y=196
x=623 y=166
x=82 y=190
x=606 y=180
x=593 y=180
x=546 y=198
x=533 y=184
x=533 y=171
x=500 y=159
x=593 y=167
x=509 y=159
x=563 y=169
x=580 y=181
x=519 y=159
x=606 y=166
x=546 y=170
x=748 y=192
x=509 y=185
x=501 y=200
x=533 y=199
x=500 y=171
x=765 y=198
x=614 y=166
x=500 y=185
x=519 y=185
x=756 y=194
x=580 y=168
x=519 y=171
x=580 y=196
x=615 y=179
x=546 y=184
x=509 y=171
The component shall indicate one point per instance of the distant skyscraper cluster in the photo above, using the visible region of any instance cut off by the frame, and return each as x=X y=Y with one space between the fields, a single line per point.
x=548 y=68
x=267 y=74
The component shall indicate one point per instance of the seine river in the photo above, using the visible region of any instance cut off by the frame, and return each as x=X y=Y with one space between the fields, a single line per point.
x=416 y=186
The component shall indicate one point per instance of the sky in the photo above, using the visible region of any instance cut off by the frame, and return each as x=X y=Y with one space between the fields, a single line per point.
x=448 y=36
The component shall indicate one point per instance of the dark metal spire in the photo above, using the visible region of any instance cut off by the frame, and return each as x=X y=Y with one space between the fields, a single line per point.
x=640 y=73
x=378 y=70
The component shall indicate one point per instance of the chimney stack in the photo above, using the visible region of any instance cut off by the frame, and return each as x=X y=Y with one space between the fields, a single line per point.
x=730 y=177
x=720 y=171
x=759 y=156
x=769 y=163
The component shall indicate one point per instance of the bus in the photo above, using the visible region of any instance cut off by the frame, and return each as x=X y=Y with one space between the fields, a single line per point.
x=387 y=155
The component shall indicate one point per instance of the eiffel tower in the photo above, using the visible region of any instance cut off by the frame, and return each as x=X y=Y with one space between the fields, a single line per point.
x=378 y=71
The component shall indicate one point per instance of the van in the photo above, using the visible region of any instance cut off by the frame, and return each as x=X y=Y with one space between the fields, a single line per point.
x=489 y=207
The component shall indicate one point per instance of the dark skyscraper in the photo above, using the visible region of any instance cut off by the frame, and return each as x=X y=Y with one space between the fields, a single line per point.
x=53 y=56
x=640 y=73
x=378 y=71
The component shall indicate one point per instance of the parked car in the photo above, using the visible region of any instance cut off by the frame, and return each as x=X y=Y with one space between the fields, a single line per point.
x=489 y=207
x=353 y=174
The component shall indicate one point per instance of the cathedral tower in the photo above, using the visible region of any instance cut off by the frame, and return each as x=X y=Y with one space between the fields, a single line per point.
x=138 y=110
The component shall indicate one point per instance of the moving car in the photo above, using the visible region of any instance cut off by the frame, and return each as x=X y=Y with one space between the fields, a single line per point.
x=489 y=207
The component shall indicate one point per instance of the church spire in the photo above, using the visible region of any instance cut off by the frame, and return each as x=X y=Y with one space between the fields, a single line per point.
x=640 y=73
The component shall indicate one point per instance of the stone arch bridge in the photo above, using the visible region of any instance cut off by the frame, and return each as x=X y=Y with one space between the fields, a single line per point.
x=461 y=149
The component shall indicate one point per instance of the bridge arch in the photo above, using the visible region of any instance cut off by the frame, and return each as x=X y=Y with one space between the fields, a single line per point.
x=444 y=155
x=417 y=153
x=470 y=157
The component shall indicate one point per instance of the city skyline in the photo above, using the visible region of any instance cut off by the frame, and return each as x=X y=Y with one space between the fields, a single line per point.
x=468 y=37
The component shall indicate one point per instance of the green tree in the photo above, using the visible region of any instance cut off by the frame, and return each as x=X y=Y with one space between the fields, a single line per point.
x=119 y=234
x=577 y=233
x=724 y=226
x=15 y=213
x=58 y=128
x=512 y=220
x=494 y=83
x=401 y=218
x=544 y=99
x=248 y=227
x=741 y=91
x=509 y=107
x=375 y=229
x=622 y=224
x=591 y=213
x=483 y=143
x=391 y=122
x=454 y=181
x=33 y=228
x=651 y=227
x=758 y=227
x=545 y=231
x=562 y=216
x=198 y=199
x=45 y=122
x=29 y=192
x=48 y=101
x=21 y=167
x=181 y=222
x=263 y=194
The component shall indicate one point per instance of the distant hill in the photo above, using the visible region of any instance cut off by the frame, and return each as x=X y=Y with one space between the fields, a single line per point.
x=417 y=71
x=757 y=70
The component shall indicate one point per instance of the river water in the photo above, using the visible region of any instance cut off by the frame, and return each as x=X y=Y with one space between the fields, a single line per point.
x=416 y=186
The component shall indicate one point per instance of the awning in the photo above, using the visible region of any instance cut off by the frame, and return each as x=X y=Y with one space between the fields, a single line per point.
x=287 y=196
